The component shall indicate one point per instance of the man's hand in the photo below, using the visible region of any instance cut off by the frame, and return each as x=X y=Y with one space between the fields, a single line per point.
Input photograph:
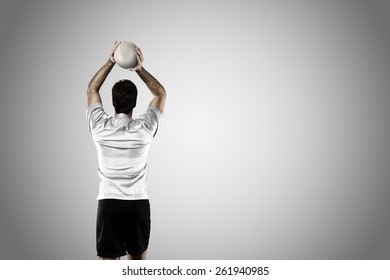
x=140 y=60
x=112 y=51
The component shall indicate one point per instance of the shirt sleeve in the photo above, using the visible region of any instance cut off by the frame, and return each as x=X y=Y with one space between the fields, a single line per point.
x=95 y=114
x=153 y=120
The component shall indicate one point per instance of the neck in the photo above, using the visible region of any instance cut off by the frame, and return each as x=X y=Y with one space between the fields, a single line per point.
x=130 y=114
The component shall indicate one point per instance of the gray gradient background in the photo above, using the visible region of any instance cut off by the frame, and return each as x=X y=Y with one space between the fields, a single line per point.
x=275 y=142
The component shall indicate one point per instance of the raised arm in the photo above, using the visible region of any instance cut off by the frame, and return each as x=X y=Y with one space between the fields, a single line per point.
x=94 y=85
x=151 y=82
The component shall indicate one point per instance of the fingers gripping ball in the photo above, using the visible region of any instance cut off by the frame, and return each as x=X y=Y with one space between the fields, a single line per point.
x=124 y=55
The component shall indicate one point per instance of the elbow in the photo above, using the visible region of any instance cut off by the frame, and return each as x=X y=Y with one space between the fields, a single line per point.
x=91 y=89
x=162 y=92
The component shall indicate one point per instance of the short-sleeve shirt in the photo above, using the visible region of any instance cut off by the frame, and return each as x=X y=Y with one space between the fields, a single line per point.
x=122 y=145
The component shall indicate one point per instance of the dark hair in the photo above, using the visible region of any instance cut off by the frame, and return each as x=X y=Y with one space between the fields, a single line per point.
x=124 y=96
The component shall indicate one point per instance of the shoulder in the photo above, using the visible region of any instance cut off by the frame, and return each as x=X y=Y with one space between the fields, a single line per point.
x=97 y=106
x=151 y=120
x=154 y=113
x=95 y=115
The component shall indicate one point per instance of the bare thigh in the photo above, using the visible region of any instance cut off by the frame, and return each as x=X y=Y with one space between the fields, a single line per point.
x=130 y=257
x=137 y=257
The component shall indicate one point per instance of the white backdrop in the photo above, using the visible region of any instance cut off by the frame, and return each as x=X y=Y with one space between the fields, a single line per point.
x=275 y=141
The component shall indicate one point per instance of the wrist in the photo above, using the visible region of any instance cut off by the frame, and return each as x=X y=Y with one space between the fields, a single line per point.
x=139 y=70
x=111 y=60
x=109 y=64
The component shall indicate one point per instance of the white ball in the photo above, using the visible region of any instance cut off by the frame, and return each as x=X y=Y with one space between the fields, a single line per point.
x=124 y=55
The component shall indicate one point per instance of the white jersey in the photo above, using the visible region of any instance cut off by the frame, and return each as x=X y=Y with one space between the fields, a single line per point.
x=122 y=145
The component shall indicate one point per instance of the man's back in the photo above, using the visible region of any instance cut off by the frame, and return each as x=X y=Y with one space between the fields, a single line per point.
x=122 y=145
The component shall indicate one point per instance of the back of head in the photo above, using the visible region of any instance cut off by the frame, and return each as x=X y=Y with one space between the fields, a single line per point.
x=124 y=96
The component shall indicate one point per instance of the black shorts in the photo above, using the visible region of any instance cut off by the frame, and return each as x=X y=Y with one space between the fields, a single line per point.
x=122 y=226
